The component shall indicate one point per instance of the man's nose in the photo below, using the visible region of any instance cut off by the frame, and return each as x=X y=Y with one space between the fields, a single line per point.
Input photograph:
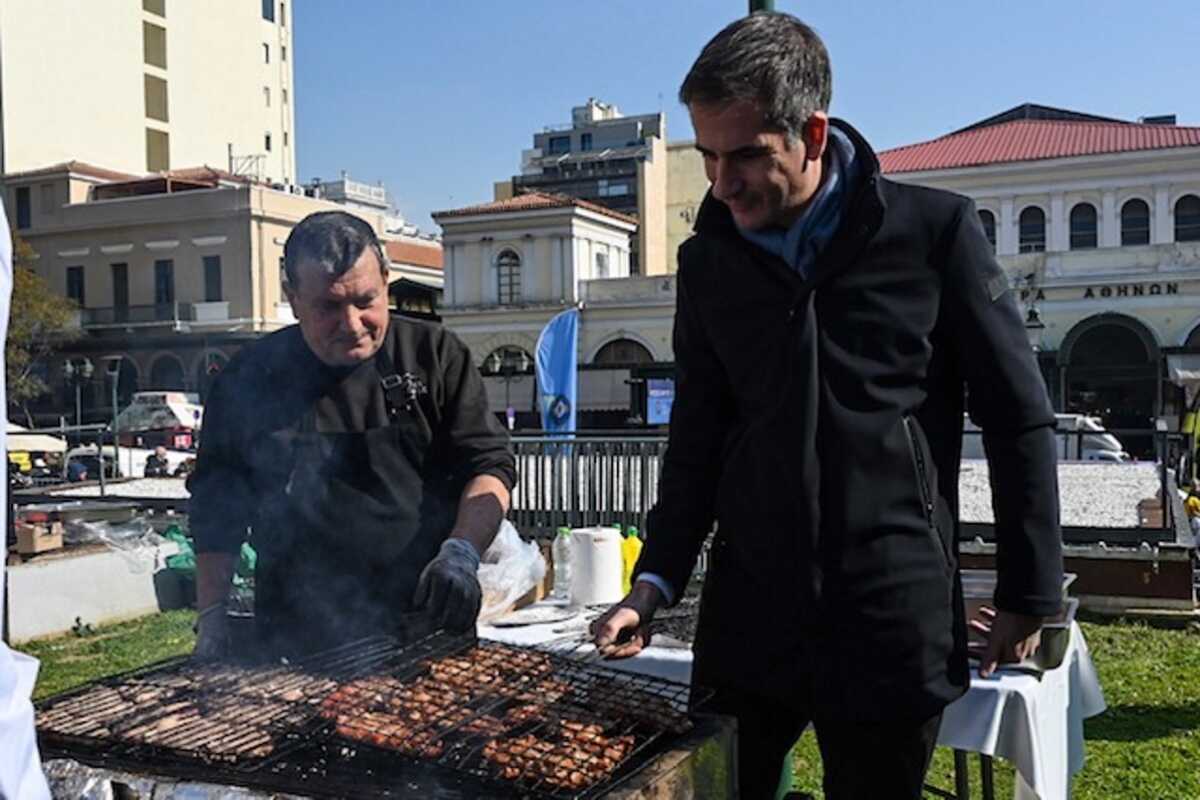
x=350 y=320
x=726 y=181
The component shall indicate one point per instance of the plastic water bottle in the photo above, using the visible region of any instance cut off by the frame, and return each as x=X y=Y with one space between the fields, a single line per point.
x=560 y=553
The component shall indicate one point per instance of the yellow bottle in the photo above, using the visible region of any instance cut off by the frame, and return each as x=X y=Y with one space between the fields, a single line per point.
x=631 y=548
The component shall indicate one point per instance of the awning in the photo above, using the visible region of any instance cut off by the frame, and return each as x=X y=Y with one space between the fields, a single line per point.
x=20 y=441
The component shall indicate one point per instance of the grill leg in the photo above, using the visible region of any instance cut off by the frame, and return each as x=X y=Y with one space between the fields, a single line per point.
x=962 y=784
x=987 y=784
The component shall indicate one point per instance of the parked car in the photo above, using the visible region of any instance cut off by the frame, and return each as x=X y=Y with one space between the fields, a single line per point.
x=1080 y=438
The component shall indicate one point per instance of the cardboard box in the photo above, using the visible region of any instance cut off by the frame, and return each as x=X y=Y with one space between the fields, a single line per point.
x=38 y=537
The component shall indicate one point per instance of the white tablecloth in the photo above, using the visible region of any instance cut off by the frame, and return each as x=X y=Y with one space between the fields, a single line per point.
x=1034 y=723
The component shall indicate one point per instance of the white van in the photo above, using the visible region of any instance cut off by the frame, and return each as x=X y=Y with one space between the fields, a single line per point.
x=1079 y=438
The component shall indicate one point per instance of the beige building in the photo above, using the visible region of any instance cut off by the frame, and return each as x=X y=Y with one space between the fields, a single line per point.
x=1097 y=221
x=512 y=265
x=172 y=272
x=686 y=186
x=148 y=86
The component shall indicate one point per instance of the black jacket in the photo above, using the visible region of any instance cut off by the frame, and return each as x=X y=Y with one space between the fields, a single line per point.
x=819 y=422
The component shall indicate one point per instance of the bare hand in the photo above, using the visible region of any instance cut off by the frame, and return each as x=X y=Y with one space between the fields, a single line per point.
x=624 y=629
x=1010 y=638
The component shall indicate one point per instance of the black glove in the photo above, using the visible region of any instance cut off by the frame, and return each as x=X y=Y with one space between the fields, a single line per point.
x=449 y=586
x=212 y=633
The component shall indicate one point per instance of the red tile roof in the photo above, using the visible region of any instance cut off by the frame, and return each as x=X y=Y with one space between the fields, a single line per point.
x=418 y=255
x=533 y=201
x=1032 y=140
x=77 y=167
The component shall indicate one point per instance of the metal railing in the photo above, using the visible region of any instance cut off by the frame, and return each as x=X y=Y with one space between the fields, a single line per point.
x=593 y=479
x=612 y=477
x=133 y=315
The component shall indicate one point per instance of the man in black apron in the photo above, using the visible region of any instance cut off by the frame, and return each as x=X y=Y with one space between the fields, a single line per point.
x=356 y=452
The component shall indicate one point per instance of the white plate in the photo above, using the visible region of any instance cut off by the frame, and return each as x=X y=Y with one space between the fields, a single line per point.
x=534 y=615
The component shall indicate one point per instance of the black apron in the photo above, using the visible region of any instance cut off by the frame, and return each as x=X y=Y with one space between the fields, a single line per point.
x=357 y=516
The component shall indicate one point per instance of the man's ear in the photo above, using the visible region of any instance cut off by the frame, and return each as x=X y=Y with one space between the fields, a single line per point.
x=815 y=135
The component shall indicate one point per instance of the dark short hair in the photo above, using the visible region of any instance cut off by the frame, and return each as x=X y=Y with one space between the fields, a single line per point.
x=332 y=241
x=770 y=58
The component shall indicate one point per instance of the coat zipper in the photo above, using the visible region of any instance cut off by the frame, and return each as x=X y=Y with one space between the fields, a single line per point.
x=918 y=457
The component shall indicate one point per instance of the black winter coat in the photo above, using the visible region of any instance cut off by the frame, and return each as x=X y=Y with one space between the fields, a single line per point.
x=819 y=422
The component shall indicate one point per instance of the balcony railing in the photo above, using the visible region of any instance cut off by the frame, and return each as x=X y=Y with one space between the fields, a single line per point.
x=156 y=314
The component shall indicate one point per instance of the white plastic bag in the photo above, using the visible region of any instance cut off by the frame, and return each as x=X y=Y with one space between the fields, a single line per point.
x=508 y=569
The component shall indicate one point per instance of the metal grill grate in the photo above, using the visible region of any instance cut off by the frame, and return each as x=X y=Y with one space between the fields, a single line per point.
x=505 y=716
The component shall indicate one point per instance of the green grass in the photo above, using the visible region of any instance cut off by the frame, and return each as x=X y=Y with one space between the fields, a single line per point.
x=70 y=660
x=1147 y=745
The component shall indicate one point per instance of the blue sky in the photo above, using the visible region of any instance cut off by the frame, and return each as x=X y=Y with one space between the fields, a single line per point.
x=437 y=99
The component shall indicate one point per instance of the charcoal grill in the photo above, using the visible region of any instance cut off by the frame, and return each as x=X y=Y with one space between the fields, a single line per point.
x=298 y=728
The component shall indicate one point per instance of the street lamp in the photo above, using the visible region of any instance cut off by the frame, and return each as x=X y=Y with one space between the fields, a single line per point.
x=112 y=368
x=1034 y=328
x=78 y=372
x=511 y=366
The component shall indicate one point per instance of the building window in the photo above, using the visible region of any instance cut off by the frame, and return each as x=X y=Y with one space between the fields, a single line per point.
x=164 y=281
x=1135 y=223
x=154 y=45
x=46 y=191
x=1032 y=230
x=607 y=188
x=267 y=141
x=158 y=151
x=988 y=220
x=283 y=15
x=1083 y=227
x=559 y=144
x=75 y=285
x=120 y=284
x=212 y=279
x=623 y=352
x=24 y=207
x=156 y=98
x=585 y=141
x=1187 y=219
x=156 y=7
x=601 y=265
x=267 y=96
x=283 y=96
x=283 y=52
x=266 y=53
x=508 y=272
x=285 y=138
x=268 y=10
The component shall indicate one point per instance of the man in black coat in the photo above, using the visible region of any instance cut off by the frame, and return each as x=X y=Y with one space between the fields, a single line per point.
x=831 y=328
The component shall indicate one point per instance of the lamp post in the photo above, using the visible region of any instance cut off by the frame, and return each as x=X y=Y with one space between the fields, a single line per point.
x=1034 y=328
x=112 y=368
x=508 y=368
x=77 y=372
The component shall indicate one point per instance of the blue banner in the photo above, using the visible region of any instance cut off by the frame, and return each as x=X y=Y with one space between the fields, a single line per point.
x=556 y=372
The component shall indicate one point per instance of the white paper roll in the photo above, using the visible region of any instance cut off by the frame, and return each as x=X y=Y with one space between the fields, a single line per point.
x=595 y=566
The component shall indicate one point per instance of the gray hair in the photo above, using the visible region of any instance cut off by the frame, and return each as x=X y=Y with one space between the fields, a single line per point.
x=772 y=59
x=331 y=241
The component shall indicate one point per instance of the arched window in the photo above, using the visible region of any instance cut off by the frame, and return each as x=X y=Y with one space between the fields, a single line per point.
x=166 y=374
x=1083 y=226
x=988 y=220
x=507 y=360
x=1032 y=223
x=508 y=273
x=1187 y=218
x=623 y=351
x=1135 y=223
